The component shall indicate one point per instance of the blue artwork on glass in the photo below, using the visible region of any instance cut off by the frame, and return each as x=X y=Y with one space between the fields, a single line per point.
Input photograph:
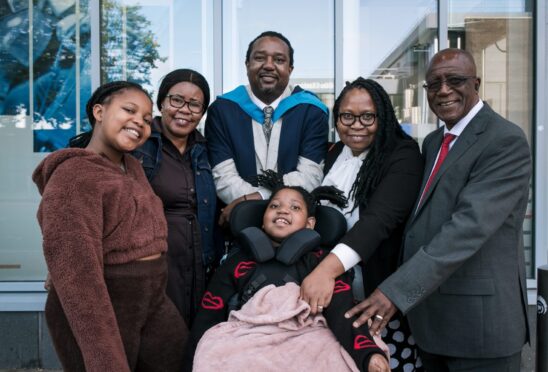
x=54 y=76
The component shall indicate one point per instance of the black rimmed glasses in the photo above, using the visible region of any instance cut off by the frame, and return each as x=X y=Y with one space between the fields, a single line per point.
x=367 y=119
x=451 y=82
x=177 y=101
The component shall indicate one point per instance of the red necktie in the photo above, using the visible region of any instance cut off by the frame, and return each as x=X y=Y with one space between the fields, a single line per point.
x=443 y=154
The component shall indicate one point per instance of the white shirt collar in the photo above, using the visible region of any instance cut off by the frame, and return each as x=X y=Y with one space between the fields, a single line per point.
x=462 y=123
x=260 y=104
x=342 y=175
x=346 y=154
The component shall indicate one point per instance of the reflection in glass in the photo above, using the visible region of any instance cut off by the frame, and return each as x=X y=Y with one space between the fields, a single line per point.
x=129 y=50
x=59 y=41
x=499 y=34
x=392 y=42
x=14 y=54
x=142 y=41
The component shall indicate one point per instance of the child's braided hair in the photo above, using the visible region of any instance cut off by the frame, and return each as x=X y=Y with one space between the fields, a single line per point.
x=273 y=181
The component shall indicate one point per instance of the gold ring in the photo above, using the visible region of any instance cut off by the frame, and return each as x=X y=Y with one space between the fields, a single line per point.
x=377 y=316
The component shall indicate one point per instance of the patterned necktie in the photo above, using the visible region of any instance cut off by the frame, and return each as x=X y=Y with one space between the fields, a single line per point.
x=267 y=123
x=443 y=153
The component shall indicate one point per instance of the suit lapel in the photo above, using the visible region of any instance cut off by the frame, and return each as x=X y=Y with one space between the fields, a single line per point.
x=431 y=155
x=467 y=138
x=430 y=151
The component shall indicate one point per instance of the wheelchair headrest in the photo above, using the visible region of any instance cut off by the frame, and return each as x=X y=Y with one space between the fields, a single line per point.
x=330 y=223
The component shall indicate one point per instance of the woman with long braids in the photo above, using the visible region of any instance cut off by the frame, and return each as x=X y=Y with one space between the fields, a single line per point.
x=175 y=161
x=104 y=239
x=379 y=168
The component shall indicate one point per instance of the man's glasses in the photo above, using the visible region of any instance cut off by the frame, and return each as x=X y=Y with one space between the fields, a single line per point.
x=366 y=119
x=451 y=82
x=179 y=102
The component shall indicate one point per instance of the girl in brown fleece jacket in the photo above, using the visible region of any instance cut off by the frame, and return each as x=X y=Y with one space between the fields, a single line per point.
x=104 y=236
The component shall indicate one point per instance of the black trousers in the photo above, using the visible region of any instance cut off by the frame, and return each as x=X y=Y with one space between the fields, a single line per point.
x=153 y=333
x=442 y=363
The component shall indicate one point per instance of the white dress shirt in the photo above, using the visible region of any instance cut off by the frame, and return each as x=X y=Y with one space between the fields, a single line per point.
x=342 y=175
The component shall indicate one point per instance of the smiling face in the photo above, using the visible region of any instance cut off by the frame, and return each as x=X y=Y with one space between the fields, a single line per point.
x=452 y=103
x=285 y=214
x=356 y=136
x=178 y=123
x=268 y=68
x=122 y=123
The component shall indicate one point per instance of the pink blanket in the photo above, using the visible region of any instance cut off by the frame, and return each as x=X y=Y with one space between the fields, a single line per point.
x=272 y=332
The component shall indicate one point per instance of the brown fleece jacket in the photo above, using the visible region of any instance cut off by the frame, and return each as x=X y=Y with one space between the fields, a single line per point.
x=93 y=214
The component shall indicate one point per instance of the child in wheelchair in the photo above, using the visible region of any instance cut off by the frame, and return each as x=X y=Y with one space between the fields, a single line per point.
x=277 y=258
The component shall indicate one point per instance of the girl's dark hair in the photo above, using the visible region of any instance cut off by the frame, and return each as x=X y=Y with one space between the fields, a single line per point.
x=179 y=76
x=388 y=131
x=100 y=96
x=274 y=181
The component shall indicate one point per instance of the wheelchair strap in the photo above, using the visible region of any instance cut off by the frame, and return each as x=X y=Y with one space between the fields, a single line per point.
x=255 y=242
x=266 y=273
x=274 y=265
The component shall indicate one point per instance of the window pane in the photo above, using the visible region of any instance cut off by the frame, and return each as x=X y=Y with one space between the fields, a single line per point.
x=61 y=31
x=392 y=42
x=499 y=35
x=142 y=41
x=311 y=37
x=42 y=87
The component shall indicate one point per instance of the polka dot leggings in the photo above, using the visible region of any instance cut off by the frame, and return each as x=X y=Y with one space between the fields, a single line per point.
x=403 y=349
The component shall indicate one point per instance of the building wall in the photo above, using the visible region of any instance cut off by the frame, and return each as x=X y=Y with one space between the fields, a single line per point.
x=25 y=342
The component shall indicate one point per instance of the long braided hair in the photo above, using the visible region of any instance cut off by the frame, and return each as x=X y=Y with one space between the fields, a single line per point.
x=388 y=131
x=102 y=95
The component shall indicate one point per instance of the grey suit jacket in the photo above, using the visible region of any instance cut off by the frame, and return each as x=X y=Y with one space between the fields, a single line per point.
x=462 y=281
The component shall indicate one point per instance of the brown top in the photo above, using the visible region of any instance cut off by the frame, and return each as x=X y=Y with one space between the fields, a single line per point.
x=94 y=214
x=174 y=182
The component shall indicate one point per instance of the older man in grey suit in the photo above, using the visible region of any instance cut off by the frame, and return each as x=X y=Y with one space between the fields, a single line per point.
x=462 y=281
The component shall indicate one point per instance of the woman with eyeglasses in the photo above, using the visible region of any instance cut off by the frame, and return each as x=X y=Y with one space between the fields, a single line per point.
x=379 y=168
x=176 y=164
